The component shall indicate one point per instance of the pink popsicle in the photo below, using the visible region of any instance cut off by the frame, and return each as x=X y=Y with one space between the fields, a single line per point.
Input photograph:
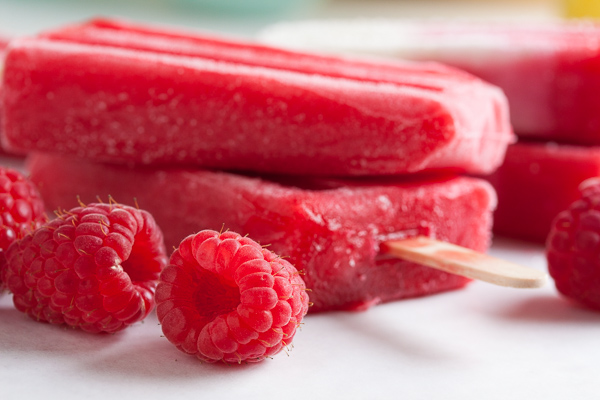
x=331 y=229
x=550 y=72
x=115 y=92
x=536 y=182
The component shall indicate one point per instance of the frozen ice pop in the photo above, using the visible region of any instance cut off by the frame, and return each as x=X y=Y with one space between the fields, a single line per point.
x=549 y=72
x=3 y=44
x=331 y=229
x=536 y=182
x=112 y=91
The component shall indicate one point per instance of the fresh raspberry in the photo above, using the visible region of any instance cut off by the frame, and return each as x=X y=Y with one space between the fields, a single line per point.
x=94 y=267
x=21 y=209
x=223 y=297
x=573 y=247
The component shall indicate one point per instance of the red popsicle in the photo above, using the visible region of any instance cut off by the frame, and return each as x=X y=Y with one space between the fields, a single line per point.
x=331 y=229
x=550 y=72
x=122 y=93
x=3 y=44
x=536 y=182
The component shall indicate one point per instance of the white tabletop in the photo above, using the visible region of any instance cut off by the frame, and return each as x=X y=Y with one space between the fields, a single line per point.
x=482 y=342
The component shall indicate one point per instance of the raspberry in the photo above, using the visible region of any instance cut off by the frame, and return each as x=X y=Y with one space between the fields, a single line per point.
x=573 y=247
x=223 y=297
x=94 y=267
x=21 y=207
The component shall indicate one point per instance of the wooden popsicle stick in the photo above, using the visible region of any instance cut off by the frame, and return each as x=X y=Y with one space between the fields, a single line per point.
x=466 y=262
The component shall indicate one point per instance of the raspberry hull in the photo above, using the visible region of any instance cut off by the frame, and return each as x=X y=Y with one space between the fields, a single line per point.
x=225 y=298
x=573 y=247
x=94 y=267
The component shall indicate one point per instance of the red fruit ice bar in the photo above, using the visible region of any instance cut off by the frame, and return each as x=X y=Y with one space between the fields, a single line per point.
x=121 y=93
x=549 y=72
x=3 y=44
x=536 y=182
x=331 y=229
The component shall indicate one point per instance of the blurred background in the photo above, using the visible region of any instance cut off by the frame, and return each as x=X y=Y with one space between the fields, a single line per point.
x=246 y=17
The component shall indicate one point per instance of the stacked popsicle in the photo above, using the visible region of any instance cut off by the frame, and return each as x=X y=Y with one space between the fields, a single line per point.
x=550 y=74
x=3 y=44
x=145 y=108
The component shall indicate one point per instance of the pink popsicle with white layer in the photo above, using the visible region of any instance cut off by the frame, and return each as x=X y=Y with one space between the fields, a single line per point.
x=331 y=229
x=550 y=72
x=118 y=92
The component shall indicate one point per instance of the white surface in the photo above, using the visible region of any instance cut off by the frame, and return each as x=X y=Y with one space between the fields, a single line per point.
x=483 y=342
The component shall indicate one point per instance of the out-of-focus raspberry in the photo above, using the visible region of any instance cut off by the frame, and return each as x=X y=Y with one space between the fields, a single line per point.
x=21 y=209
x=573 y=247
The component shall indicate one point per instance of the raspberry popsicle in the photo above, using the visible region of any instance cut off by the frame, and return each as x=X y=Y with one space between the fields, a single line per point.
x=331 y=229
x=3 y=44
x=536 y=182
x=549 y=72
x=117 y=92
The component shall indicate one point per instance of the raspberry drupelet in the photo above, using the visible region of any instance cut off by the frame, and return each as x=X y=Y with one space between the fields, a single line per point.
x=94 y=267
x=573 y=247
x=223 y=297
